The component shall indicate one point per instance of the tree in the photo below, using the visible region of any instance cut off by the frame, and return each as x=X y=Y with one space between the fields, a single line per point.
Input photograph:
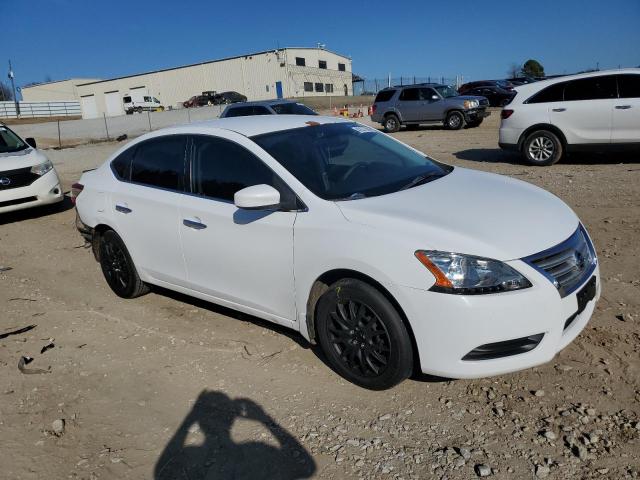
x=5 y=92
x=533 y=68
x=514 y=70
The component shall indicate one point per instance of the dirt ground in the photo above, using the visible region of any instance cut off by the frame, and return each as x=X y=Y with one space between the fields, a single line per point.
x=167 y=387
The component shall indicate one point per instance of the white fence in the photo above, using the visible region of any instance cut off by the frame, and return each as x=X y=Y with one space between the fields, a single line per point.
x=40 y=109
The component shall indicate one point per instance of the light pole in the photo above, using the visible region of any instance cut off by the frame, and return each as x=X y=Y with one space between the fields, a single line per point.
x=13 y=86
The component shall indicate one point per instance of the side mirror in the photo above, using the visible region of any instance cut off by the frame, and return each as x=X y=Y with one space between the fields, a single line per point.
x=435 y=97
x=31 y=142
x=257 y=197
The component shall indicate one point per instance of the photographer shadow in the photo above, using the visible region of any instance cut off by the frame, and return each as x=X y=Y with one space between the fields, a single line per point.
x=218 y=456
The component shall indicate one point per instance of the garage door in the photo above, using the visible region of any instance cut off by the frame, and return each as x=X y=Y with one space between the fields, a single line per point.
x=88 y=104
x=114 y=103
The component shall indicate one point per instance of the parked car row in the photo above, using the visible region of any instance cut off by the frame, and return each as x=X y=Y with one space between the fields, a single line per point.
x=214 y=98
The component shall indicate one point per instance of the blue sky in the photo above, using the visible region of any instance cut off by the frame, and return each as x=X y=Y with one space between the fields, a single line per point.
x=477 y=39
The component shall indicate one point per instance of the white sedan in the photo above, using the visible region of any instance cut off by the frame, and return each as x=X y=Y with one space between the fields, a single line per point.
x=27 y=177
x=388 y=259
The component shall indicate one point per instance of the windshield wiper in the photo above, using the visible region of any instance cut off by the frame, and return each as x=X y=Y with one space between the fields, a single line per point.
x=419 y=180
x=353 y=196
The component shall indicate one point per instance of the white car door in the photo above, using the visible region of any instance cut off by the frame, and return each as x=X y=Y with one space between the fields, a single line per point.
x=243 y=258
x=626 y=110
x=585 y=114
x=145 y=206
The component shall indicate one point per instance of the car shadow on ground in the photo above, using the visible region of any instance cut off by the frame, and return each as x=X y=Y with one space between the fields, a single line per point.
x=36 y=212
x=218 y=455
x=497 y=155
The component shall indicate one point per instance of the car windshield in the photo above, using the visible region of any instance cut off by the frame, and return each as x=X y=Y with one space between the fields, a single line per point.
x=446 y=91
x=348 y=161
x=10 y=142
x=292 y=109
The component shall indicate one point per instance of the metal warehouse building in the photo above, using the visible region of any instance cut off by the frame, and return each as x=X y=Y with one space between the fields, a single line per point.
x=282 y=73
x=57 y=91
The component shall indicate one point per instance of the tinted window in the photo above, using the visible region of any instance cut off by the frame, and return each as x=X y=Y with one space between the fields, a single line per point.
x=239 y=112
x=554 y=93
x=341 y=67
x=308 y=86
x=121 y=165
x=222 y=167
x=292 y=109
x=410 y=94
x=300 y=62
x=629 y=86
x=384 y=95
x=160 y=162
x=260 y=110
x=593 y=88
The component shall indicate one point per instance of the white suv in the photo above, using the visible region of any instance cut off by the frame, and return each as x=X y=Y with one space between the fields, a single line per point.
x=593 y=111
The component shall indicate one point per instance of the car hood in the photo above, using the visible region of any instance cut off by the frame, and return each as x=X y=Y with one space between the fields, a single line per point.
x=21 y=159
x=470 y=212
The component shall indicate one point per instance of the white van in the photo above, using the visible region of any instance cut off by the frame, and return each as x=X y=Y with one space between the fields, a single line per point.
x=137 y=102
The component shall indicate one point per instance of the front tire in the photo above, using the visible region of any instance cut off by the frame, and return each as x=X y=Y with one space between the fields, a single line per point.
x=363 y=335
x=454 y=120
x=391 y=123
x=118 y=268
x=542 y=148
x=474 y=124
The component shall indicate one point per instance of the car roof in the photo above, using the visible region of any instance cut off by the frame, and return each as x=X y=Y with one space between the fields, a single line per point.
x=261 y=102
x=530 y=88
x=426 y=84
x=250 y=126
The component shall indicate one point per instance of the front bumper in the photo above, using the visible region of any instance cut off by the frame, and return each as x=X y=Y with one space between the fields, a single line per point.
x=448 y=327
x=44 y=191
x=476 y=114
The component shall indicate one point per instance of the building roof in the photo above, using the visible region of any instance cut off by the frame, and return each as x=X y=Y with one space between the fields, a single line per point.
x=80 y=79
x=213 y=61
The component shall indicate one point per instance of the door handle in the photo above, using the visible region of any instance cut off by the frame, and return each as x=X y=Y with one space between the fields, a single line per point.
x=623 y=107
x=194 y=223
x=558 y=109
x=122 y=208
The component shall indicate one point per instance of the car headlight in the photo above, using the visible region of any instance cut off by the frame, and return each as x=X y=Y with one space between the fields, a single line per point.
x=42 y=168
x=471 y=104
x=469 y=275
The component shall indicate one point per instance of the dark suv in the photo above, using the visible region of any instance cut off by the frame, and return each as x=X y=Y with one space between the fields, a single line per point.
x=427 y=103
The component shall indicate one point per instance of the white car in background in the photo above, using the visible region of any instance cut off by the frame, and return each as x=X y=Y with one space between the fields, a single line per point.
x=385 y=257
x=27 y=176
x=597 y=111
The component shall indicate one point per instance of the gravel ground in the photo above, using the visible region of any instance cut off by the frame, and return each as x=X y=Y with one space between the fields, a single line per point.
x=168 y=387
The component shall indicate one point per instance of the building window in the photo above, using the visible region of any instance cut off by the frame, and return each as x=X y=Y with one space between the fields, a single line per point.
x=308 y=87
x=319 y=87
x=322 y=64
x=328 y=87
x=300 y=62
x=267 y=88
x=342 y=67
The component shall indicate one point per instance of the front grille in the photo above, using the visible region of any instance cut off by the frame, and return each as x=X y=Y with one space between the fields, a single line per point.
x=568 y=264
x=20 y=177
x=489 y=351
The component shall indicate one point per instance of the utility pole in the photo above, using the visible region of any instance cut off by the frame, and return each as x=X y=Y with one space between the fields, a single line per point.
x=13 y=85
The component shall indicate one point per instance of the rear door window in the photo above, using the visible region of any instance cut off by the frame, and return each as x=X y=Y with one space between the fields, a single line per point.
x=594 y=88
x=239 y=112
x=384 y=96
x=410 y=95
x=629 y=86
x=160 y=162
x=553 y=93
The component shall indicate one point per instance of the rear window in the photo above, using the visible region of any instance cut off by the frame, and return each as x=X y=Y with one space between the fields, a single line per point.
x=554 y=93
x=629 y=86
x=384 y=95
x=292 y=109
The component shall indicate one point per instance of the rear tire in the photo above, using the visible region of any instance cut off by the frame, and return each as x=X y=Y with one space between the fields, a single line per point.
x=391 y=123
x=542 y=148
x=118 y=268
x=363 y=335
x=454 y=120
